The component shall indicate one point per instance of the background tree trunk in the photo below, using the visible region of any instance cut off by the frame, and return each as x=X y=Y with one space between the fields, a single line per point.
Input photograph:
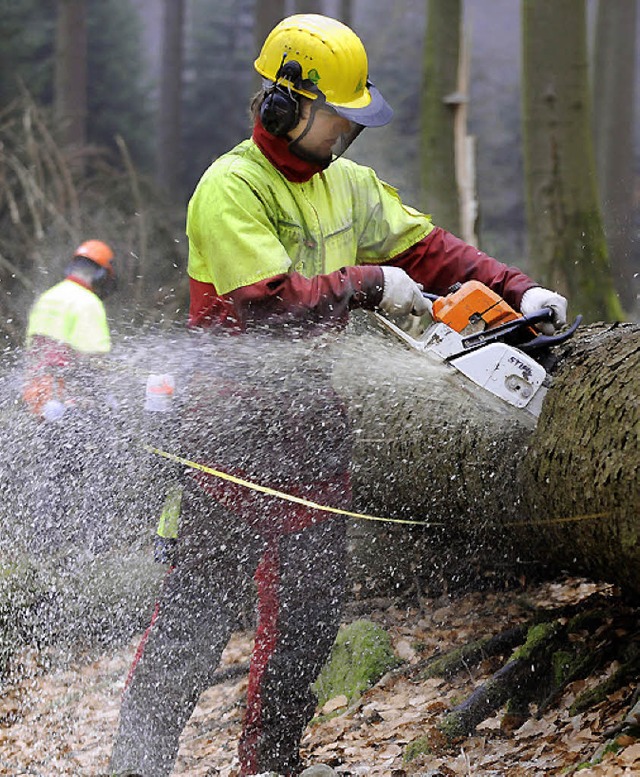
x=308 y=6
x=613 y=102
x=439 y=100
x=565 y=232
x=170 y=111
x=503 y=495
x=268 y=14
x=345 y=12
x=71 y=73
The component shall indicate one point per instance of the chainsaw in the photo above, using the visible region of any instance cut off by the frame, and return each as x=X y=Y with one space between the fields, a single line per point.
x=482 y=337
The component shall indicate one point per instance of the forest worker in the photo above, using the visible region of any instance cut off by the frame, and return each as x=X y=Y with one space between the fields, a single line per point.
x=285 y=238
x=67 y=325
x=67 y=331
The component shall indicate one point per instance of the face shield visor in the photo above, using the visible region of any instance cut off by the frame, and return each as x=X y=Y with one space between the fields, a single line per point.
x=321 y=143
x=105 y=284
x=326 y=135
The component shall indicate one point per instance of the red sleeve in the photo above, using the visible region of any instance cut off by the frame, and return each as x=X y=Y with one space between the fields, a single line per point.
x=289 y=298
x=207 y=308
x=440 y=259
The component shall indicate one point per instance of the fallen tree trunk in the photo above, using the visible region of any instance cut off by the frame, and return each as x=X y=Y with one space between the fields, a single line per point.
x=584 y=460
x=500 y=493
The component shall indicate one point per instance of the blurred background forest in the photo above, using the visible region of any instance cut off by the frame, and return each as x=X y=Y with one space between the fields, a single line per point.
x=106 y=126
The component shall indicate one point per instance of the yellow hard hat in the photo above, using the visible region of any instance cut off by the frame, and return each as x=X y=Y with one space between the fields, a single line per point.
x=333 y=62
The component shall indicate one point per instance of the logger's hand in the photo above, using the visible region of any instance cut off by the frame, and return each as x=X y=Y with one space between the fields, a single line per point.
x=537 y=298
x=401 y=295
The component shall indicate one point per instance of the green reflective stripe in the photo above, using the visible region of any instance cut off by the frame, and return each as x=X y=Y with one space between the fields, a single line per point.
x=170 y=516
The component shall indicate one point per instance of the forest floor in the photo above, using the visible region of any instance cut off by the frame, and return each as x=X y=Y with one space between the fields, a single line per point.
x=59 y=718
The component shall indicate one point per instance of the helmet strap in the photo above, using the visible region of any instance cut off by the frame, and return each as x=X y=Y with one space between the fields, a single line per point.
x=312 y=114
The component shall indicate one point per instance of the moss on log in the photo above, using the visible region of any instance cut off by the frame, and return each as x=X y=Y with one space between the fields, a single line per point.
x=361 y=655
x=450 y=663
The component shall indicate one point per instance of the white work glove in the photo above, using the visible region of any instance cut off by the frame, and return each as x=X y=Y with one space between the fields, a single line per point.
x=536 y=298
x=53 y=410
x=401 y=294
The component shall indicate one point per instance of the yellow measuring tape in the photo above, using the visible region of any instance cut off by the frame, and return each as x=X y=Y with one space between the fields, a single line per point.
x=314 y=505
x=566 y=519
x=280 y=494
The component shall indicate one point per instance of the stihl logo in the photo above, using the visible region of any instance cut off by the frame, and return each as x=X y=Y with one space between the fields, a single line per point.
x=524 y=368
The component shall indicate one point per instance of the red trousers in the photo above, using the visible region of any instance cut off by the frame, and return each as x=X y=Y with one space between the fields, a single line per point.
x=232 y=539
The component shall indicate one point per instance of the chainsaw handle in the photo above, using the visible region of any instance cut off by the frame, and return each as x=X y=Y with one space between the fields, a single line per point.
x=544 y=341
x=541 y=341
x=544 y=314
x=497 y=332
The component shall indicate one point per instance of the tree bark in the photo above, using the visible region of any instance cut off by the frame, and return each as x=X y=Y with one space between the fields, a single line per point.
x=317 y=6
x=170 y=112
x=501 y=494
x=584 y=460
x=71 y=73
x=613 y=102
x=564 y=222
x=268 y=14
x=441 y=102
x=345 y=13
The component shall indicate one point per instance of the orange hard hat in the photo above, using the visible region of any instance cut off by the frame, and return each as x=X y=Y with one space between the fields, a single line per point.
x=97 y=252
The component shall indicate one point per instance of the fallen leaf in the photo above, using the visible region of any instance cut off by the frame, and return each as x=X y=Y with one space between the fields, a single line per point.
x=630 y=754
x=337 y=703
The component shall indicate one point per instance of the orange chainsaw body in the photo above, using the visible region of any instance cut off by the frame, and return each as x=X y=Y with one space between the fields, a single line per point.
x=472 y=306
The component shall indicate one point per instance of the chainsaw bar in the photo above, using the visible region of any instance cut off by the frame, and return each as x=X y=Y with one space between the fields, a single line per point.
x=506 y=371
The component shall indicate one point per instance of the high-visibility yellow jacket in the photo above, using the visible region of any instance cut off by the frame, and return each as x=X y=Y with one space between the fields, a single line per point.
x=73 y=315
x=276 y=238
x=66 y=321
x=246 y=222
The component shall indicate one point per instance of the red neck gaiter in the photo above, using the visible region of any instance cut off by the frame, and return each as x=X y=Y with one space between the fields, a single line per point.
x=79 y=281
x=277 y=151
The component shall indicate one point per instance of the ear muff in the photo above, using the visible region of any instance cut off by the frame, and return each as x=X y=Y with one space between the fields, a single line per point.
x=103 y=283
x=100 y=275
x=280 y=109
